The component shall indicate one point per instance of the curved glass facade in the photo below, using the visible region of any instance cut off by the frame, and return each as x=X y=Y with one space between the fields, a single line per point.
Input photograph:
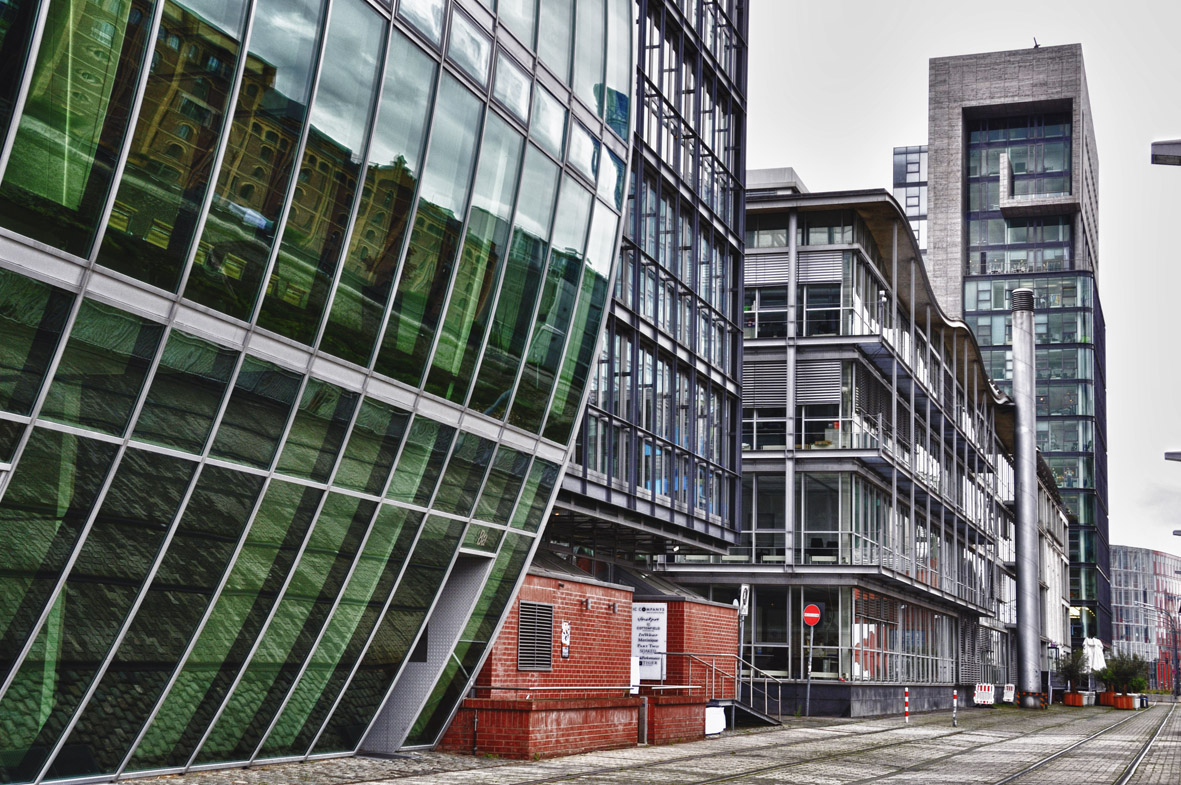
x=297 y=305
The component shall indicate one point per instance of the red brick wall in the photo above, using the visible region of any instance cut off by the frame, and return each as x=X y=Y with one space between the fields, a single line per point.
x=711 y=632
x=523 y=729
x=673 y=719
x=600 y=641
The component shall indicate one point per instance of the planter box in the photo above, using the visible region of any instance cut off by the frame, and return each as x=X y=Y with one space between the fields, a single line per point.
x=1127 y=701
x=1107 y=698
x=1073 y=699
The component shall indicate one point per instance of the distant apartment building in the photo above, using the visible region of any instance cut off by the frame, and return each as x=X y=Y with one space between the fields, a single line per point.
x=910 y=189
x=1013 y=202
x=877 y=471
x=1146 y=609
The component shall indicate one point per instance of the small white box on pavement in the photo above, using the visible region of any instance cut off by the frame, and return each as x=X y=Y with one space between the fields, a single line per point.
x=715 y=720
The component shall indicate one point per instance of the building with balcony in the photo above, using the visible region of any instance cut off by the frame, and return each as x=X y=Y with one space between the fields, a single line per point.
x=299 y=302
x=877 y=472
x=1013 y=202
x=1146 y=609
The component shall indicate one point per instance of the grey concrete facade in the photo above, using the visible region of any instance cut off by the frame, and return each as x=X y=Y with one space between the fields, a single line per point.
x=1048 y=78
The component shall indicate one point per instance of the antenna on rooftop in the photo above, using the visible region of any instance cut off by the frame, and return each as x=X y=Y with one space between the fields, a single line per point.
x=1035 y=43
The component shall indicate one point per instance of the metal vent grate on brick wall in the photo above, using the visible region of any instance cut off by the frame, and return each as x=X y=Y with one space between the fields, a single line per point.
x=535 y=637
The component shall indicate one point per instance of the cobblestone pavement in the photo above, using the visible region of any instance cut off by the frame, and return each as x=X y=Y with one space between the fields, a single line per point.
x=988 y=746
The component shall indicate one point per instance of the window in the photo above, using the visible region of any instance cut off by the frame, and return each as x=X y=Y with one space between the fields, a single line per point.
x=535 y=637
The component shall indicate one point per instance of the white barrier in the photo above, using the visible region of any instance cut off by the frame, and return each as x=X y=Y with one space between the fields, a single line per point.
x=985 y=695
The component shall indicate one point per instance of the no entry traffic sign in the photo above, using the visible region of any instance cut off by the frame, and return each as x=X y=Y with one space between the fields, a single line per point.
x=811 y=615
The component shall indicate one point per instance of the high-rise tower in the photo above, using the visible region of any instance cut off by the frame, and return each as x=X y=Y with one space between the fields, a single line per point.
x=1013 y=202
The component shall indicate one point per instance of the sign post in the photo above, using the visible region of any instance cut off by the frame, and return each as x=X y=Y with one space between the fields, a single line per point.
x=743 y=610
x=811 y=617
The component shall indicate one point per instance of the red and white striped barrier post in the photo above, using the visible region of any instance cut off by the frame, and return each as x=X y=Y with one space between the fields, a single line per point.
x=955 y=704
x=906 y=704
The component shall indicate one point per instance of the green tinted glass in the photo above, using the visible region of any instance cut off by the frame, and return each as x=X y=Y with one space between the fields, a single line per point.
x=186 y=393
x=75 y=120
x=391 y=180
x=102 y=369
x=171 y=158
x=253 y=183
x=313 y=233
x=32 y=318
x=422 y=458
x=254 y=582
x=16 y=34
x=535 y=497
x=318 y=431
x=256 y=413
x=434 y=242
x=372 y=448
x=502 y=486
x=465 y=472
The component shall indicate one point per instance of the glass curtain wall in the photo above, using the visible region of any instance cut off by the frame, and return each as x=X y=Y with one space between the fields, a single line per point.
x=298 y=266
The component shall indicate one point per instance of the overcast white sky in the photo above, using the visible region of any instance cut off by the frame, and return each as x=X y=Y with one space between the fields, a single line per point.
x=836 y=85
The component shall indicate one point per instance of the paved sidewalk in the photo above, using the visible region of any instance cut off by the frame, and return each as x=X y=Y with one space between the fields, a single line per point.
x=988 y=745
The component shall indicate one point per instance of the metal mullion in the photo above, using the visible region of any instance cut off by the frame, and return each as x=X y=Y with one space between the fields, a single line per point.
x=22 y=94
x=145 y=589
x=297 y=161
x=412 y=215
x=223 y=144
x=344 y=586
x=124 y=152
x=359 y=196
x=291 y=573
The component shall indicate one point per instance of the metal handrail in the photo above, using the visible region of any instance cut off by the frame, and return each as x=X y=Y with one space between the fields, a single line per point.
x=740 y=666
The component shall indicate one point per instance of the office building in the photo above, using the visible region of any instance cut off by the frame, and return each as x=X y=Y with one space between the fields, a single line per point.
x=877 y=467
x=910 y=189
x=1013 y=202
x=657 y=461
x=299 y=306
x=1146 y=610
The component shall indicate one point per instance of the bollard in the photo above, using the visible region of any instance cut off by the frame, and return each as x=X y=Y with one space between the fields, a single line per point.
x=906 y=704
x=955 y=704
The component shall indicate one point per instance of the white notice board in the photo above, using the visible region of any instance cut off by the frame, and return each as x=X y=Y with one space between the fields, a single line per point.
x=650 y=637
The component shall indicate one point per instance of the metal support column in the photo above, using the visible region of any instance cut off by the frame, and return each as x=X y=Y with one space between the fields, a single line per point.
x=1025 y=475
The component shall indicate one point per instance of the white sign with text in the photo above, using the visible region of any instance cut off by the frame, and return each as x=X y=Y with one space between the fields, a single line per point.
x=649 y=637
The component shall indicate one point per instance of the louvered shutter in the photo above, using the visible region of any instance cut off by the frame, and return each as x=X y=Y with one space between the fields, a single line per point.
x=818 y=381
x=535 y=637
x=821 y=266
x=764 y=383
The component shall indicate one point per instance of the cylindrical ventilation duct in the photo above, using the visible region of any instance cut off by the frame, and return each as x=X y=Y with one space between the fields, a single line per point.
x=1028 y=613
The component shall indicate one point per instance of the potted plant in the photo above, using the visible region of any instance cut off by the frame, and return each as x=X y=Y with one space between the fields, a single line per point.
x=1073 y=670
x=1126 y=674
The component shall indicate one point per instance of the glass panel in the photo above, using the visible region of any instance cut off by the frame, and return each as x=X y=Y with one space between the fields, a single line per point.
x=549 y=122
x=422 y=459
x=253 y=585
x=32 y=318
x=427 y=567
x=620 y=74
x=426 y=15
x=482 y=262
x=327 y=183
x=386 y=200
x=536 y=495
x=585 y=331
x=318 y=431
x=75 y=118
x=474 y=640
x=102 y=368
x=47 y=502
x=434 y=242
x=256 y=414
x=588 y=68
x=372 y=448
x=465 y=472
x=522 y=281
x=557 y=303
x=252 y=186
x=104 y=582
x=17 y=21
x=186 y=393
x=469 y=48
x=351 y=625
x=521 y=18
x=611 y=182
x=584 y=152
x=553 y=42
x=171 y=158
x=319 y=577
x=512 y=86
x=502 y=486
x=197 y=557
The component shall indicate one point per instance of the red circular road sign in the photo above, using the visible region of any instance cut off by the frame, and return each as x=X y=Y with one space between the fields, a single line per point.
x=811 y=615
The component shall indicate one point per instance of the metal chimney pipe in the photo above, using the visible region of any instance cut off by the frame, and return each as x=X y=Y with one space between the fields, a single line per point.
x=1028 y=556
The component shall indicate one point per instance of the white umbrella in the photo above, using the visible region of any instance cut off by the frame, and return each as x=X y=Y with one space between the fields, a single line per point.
x=1093 y=655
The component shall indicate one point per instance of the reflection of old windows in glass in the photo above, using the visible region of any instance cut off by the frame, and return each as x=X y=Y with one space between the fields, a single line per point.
x=247 y=192
x=175 y=151
x=184 y=131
